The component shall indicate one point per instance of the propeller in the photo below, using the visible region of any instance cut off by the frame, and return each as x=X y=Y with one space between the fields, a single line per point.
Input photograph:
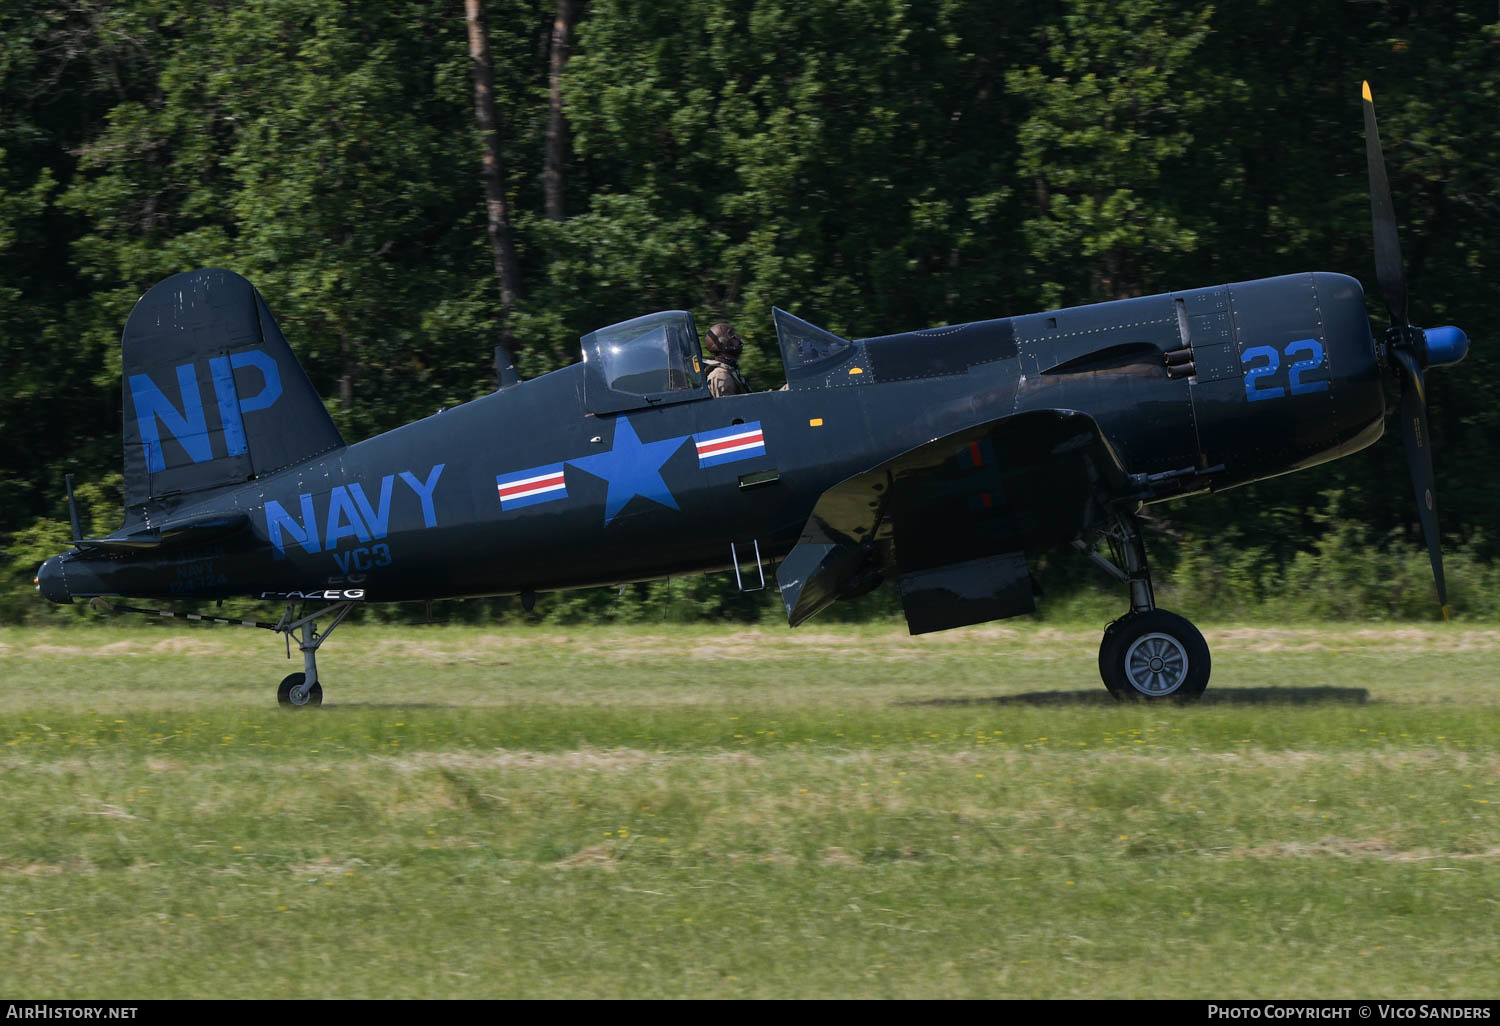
x=1409 y=350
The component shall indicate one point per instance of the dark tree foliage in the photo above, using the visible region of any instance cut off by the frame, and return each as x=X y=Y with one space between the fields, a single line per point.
x=873 y=165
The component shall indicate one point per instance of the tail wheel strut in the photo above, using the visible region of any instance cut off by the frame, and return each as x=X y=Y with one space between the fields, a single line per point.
x=303 y=689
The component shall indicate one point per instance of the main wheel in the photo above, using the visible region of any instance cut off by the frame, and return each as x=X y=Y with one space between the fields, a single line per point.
x=312 y=696
x=1154 y=654
x=1109 y=632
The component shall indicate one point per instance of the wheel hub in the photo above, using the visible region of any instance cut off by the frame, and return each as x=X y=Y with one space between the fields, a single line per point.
x=1156 y=664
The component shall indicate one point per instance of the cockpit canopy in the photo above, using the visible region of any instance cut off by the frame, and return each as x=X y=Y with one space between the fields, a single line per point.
x=648 y=361
x=806 y=348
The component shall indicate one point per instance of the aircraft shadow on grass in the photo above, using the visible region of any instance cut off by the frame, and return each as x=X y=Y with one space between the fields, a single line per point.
x=1322 y=695
x=396 y=705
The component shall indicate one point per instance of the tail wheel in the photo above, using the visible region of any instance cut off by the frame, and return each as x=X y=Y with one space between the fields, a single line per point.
x=292 y=693
x=1154 y=655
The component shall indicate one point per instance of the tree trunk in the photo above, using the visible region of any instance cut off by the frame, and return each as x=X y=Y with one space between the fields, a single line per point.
x=507 y=271
x=553 y=179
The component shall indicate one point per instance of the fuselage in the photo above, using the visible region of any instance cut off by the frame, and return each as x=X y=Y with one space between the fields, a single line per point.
x=526 y=489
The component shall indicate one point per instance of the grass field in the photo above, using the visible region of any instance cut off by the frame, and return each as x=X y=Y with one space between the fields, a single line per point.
x=666 y=811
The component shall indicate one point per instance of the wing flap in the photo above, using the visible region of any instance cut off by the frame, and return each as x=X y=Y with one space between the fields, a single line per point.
x=1024 y=483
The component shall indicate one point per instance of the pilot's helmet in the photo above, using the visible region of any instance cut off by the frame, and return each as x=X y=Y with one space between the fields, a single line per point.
x=722 y=341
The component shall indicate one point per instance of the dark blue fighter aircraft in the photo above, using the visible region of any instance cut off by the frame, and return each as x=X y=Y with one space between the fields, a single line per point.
x=938 y=458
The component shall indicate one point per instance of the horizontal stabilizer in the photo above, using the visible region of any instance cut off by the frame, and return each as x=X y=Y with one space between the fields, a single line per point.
x=173 y=534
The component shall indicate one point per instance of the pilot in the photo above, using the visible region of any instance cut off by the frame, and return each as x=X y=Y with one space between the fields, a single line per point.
x=723 y=368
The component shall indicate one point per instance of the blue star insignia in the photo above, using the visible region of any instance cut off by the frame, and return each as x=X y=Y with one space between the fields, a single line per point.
x=632 y=468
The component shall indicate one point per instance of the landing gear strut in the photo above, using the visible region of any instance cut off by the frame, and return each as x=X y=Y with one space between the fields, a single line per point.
x=300 y=689
x=1148 y=653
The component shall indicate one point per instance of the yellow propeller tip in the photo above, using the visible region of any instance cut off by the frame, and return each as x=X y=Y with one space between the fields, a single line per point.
x=1445 y=612
x=1366 y=90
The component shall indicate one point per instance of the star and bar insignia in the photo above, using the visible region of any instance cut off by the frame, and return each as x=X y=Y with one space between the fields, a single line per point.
x=630 y=467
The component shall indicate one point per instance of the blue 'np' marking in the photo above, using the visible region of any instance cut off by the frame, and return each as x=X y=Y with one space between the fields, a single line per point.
x=189 y=425
x=222 y=372
x=186 y=425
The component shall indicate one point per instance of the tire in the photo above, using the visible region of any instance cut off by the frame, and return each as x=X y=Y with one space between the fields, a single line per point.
x=1110 y=630
x=1154 y=655
x=284 y=691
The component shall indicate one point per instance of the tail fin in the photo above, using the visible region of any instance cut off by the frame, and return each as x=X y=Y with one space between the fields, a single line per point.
x=212 y=393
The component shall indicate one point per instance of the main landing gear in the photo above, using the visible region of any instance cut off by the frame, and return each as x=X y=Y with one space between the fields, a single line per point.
x=1148 y=653
x=301 y=689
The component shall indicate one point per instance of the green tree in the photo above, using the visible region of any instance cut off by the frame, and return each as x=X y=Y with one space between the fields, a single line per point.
x=1112 y=111
x=850 y=160
x=311 y=148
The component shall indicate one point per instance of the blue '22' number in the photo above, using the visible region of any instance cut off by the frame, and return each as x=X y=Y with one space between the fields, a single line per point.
x=1256 y=390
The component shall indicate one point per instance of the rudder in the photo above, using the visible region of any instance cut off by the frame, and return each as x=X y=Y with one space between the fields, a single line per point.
x=213 y=395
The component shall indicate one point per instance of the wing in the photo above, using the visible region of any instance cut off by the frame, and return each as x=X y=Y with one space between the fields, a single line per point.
x=954 y=517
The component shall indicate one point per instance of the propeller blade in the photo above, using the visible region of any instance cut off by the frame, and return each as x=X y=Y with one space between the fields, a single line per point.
x=1383 y=213
x=1419 y=459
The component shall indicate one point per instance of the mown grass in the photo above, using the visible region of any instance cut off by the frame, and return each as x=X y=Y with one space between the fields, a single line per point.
x=675 y=811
